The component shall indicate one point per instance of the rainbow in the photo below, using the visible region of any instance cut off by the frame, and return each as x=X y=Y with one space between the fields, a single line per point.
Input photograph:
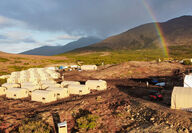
x=158 y=28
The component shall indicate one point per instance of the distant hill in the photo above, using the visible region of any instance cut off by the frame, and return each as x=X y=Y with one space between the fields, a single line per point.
x=177 y=32
x=54 y=50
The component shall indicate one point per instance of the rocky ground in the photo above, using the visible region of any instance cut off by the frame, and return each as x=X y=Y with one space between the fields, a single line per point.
x=123 y=107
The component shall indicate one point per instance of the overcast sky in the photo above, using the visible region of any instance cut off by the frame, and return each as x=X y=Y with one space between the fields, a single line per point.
x=27 y=24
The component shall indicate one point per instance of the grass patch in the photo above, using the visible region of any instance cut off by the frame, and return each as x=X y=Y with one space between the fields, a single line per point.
x=116 y=57
x=34 y=126
x=3 y=59
x=17 y=68
x=85 y=121
x=2 y=81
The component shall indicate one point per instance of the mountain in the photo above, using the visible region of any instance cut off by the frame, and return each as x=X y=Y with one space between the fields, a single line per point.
x=54 y=50
x=177 y=31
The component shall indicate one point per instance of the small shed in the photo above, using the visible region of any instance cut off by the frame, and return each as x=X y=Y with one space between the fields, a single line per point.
x=62 y=127
x=17 y=93
x=88 y=67
x=2 y=90
x=60 y=92
x=188 y=81
x=78 y=89
x=181 y=98
x=66 y=83
x=44 y=96
x=96 y=84
x=11 y=85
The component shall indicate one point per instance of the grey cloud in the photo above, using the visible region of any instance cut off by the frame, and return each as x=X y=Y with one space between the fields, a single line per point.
x=90 y=17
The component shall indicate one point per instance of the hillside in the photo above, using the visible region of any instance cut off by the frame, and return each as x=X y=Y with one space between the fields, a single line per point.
x=176 y=32
x=54 y=50
x=18 y=62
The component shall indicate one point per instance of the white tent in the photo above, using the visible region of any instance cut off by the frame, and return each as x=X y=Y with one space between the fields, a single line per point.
x=188 y=81
x=78 y=89
x=17 y=93
x=66 y=83
x=96 y=84
x=88 y=67
x=2 y=90
x=181 y=98
x=44 y=96
x=60 y=92
x=11 y=85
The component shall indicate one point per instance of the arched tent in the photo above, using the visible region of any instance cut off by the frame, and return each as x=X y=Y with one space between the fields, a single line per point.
x=17 y=93
x=181 y=98
x=66 y=83
x=60 y=92
x=96 y=84
x=78 y=89
x=188 y=81
x=2 y=90
x=44 y=96
x=88 y=67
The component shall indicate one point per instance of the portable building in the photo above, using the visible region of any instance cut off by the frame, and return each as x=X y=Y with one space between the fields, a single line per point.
x=2 y=90
x=11 y=85
x=88 y=67
x=64 y=84
x=96 y=84
x=78 y=89
x=62 y=127
x=17 y=93
x=181 y=98
x=44 y=96
x=188 y=81
x=60 y=92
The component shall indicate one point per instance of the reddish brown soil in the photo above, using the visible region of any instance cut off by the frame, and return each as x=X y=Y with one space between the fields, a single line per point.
x=123 y=107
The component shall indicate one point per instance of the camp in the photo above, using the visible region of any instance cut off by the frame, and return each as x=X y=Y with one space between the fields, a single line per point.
x=2 y=90
x=11 y=85
x=88 y=67
x=60 y=92
x=78 y=89
x=17 y=93
x=96 y=84
x=66 y=83
x=44 y=96
x=181 y=98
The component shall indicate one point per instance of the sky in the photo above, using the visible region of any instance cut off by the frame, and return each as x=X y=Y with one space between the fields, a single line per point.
x=27 y=24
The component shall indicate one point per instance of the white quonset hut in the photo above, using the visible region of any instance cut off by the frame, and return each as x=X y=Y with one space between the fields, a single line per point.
x=11 y=85
x=96 y=84
x=2 y=90
x=44 y=96
x=66 y=83
x=78 y=89
x=181 y=98
x=17 y=93
x=60 y=92
x=188 y=81
x=30 y=87
x=88 y=67
x=50 y=85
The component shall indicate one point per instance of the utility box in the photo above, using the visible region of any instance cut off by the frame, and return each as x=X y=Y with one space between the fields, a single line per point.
x=62 y=127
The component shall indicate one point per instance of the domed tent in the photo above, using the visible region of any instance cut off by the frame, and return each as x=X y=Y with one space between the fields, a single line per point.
x=181 y=98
